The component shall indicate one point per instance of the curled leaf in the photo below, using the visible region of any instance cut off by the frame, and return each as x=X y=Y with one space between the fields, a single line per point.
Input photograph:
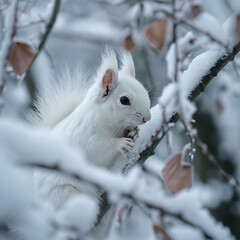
x=121 y=211
x=195 y=10
x=237 y=26
x=20 y=57
x=129 y=43
x=156 y=33
x=176 y=174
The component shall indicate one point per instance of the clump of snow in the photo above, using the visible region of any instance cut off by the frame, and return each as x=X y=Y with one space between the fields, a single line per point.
x=179 y=232
x=209 y=24
x=78 y=214
x=229 y=30
x=135 y=226
x=14 y=182
x=16 y=99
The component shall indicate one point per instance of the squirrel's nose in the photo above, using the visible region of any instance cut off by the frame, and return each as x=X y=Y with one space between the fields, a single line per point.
x=146 y=117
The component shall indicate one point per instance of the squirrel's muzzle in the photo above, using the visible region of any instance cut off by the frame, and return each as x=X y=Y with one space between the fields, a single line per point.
x=146 y=117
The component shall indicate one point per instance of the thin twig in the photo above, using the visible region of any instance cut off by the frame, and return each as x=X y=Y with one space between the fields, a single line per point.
x=50 y=58
x=7 y=42
x=182 y=21
x=186 y=125
x=49 y=26
x=235 y=68
x=31 y=23
x=165 y=212
x=212 y=159
x=164 y=128
x=147 y=66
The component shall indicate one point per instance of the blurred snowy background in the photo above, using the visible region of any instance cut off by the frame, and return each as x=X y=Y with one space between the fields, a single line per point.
x=81 y=30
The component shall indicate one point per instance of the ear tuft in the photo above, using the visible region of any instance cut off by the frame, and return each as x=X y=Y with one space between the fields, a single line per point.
x=108 y=72
x=127 y=63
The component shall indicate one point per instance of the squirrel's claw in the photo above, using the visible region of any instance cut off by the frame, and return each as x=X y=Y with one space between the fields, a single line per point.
x=126 y=145
x=133 y=133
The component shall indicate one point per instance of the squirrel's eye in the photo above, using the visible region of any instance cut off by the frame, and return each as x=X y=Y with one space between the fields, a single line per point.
x=125 y=100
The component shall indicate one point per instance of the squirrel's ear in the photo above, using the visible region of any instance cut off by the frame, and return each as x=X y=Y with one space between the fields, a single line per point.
x=109 y=82
x=108 y=72
x=127 y=64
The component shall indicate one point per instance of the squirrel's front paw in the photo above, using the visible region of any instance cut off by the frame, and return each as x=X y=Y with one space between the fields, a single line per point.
x=126 y=145
x=132 y=133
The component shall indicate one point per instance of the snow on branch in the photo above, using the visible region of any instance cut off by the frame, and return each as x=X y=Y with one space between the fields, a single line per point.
x=39 y=150
x=152 y=128
x=207 y=65
x=44 y=151
x=194 y=80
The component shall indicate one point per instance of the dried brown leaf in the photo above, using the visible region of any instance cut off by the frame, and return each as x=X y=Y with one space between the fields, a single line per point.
x=121 y=211
x=220 y=106
x=129 y=43
x=195 y=10
x=21 y=56
x=161 y=233
x=156 y=33
x=176 y=175
x=237 y=26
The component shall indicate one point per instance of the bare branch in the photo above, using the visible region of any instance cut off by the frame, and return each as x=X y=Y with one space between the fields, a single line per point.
x=204 y=149
x=49 y=27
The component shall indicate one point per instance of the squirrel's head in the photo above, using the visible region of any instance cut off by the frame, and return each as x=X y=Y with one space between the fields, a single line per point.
x=121 y=99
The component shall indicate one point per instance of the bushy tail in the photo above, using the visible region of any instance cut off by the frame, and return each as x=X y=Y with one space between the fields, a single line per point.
x=58 y=99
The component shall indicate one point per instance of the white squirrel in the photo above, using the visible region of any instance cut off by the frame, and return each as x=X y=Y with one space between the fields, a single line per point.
x=94 y=120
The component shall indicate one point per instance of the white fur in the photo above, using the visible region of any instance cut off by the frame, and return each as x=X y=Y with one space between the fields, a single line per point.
x=90 y=121
x=58 y=99
x=127 y=64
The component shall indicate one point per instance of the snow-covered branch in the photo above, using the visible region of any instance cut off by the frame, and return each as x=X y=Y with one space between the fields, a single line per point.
x=42 y=153
x=216 y=62
x=73 y=195
x=198 y=82
x=48 y=27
